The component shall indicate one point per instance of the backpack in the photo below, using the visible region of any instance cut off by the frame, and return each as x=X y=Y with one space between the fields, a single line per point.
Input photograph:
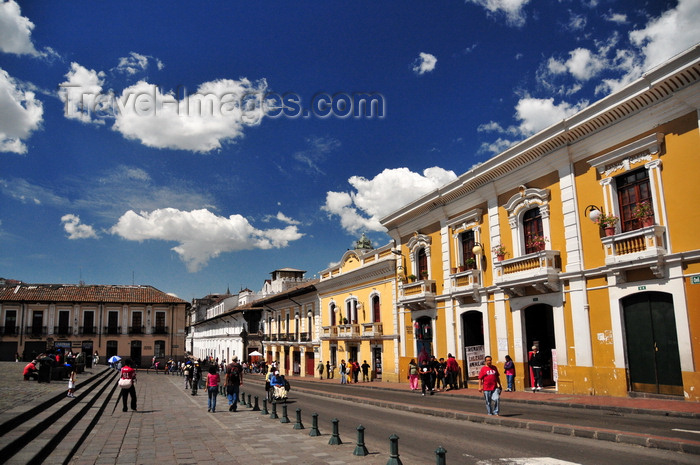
x=233 y=378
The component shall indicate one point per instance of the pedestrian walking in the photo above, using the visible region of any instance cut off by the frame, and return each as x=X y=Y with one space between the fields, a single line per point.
x=196 y=376
x=71 y=382
x=320 y=367
x=365 y=371
x=127 y=382
x=329 y=370
x=536 y=365
x=188 y=376
x=343 y=372
x=490 y=385
x=233 y=381
x=213 y=381
x=426 y=378
x=413 y=374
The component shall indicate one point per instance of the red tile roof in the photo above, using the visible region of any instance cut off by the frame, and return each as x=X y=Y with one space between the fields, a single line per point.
x=86 y=293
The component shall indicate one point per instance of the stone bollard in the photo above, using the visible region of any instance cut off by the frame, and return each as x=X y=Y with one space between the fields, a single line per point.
x=285 y=418
x=394 y=451
x=264 y=409
x=335 y=437
x=314 y=425
x=360 y=448
x=440 y=453
x=298 y=424
x=241 y=398
x=273 y=415
x=249 y=405
x=256 y=407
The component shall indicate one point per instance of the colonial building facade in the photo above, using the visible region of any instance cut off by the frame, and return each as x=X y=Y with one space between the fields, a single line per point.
x=515 y=253
x=129 y=321
x=357 y=301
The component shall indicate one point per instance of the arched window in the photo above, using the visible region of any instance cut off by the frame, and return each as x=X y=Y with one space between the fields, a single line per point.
x=466 y=240
x=532 y=228
x=333 y=323
x=376 y=314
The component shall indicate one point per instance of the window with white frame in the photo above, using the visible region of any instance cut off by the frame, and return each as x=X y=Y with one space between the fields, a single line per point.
x=528 y=217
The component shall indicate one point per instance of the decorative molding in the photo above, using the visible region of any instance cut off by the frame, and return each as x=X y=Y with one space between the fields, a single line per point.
x=622 y=158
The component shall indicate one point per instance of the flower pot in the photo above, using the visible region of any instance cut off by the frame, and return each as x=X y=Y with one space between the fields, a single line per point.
x=500 y=257
x=610 y=231
x=453 y=270
x=648 y=221
x=462 y=268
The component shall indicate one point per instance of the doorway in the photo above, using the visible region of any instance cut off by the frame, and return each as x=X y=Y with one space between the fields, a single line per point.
x=377 y=361
x=652 y=343
x=423 y=330
x=539 y=331
x=136 y=353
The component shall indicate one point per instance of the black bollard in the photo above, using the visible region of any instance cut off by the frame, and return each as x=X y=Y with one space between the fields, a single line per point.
x=394 y=451
x=273 y=415
x=256 y=407
x=440 y=456
x=264 y=409
x=298 y=424
x=242 y=399
x=335 y=437
x=360 y=448
x=314 y=425
x=285 y=418
x=249 y=405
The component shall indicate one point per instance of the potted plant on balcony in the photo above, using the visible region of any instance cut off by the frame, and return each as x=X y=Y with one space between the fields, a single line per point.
x=499 y=251
x=411 y=278
x=537 y=243
x=644 y=212
x=424 y=274
x=470 y=263
x=608 y=222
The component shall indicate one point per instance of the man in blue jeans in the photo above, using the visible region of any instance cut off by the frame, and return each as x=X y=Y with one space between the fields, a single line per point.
x=490 y=385
x=234 y=379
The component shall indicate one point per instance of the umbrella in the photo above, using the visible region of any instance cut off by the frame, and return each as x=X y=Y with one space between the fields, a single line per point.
x=255 y=353
x=114 y=359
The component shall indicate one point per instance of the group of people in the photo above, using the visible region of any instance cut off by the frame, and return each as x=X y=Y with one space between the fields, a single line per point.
x=54 y=364
x=434 y=374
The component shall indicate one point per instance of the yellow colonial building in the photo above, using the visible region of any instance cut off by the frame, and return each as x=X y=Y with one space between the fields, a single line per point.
x=357 y=299
x=579 y=240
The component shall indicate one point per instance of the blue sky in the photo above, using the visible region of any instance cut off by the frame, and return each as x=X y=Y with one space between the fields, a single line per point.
x=144 y=142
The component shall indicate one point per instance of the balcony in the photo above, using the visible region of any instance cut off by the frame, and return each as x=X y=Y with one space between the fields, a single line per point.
x=641 y=248
x=465 y=285
x=348 y=331
x=137 y=330
x=112 y=330
x=305 y=337
x=418 y=295
x=329 y=332
x=9 y=330
x=538 y=271
x=62 y=330
x=36 y=331
x=160 y=330
x=370 y=330
x=87 y=330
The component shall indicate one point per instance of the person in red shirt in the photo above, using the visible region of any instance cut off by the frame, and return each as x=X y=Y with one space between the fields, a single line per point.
x=490 y=385
x=127 y=372
x=452 y=372
x=31 y=371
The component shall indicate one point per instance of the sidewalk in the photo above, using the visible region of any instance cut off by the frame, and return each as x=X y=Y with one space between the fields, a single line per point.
x=642 y=405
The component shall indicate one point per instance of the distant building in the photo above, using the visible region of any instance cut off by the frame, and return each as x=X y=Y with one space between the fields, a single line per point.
x=129 y=321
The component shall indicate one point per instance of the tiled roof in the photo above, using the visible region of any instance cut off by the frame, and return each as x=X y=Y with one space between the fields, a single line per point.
x=86 y=293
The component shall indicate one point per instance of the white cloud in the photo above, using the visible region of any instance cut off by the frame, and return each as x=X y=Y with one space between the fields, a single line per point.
x=671 y=33
x=76 y=230
x=372 y=199
x=582 y=64
x=285 y=219
x=536 y=114
x=201 y=235
x=496 y=147
x=511 y=9
x=618 y=18
x=27 y=193
x=319 y=148
x=217 y=113
x=136 y=63
x=15 y=30
x=20 y=114
x=576 y=22
x=425 y=63
x=81 y=94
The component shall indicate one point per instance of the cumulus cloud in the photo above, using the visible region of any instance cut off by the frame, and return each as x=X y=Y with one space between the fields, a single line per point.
x=617 y=18
x=15 y=30
x=671 y=33
x=201 y=122
x=496 y=147
x=201 y=235
x=511 y=9
x=536 y=114
x=425 y=63
x=136 y=63
x=20 y=114
x=372 y=199
x=81 y=94
x=283 y=218
x=76 y=230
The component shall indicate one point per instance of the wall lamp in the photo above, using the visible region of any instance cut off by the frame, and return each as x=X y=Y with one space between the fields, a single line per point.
x=478 y=248
x=593 y=213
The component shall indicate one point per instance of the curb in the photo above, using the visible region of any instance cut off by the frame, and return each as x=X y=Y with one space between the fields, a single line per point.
x=655 y=442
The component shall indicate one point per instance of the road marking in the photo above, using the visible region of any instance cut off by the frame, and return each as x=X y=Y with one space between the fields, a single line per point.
x=685 y=430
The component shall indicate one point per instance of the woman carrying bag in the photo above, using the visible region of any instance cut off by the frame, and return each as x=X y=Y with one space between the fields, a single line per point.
x=128 y=384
